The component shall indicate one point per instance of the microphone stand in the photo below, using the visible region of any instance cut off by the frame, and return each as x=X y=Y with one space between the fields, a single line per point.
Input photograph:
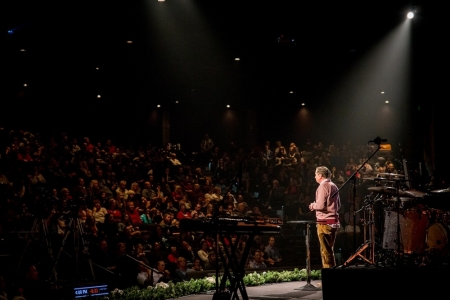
x=353 y=177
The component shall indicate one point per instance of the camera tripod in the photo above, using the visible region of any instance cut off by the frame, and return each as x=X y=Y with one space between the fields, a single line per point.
x=74 y=227
x=40 y=227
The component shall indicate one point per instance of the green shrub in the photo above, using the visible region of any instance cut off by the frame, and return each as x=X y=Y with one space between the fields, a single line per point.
x=194 y=286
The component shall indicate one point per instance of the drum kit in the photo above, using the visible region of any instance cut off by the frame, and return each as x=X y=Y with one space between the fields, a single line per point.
x=413 y=223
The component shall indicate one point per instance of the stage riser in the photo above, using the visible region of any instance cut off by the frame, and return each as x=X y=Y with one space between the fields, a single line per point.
x=377 y=283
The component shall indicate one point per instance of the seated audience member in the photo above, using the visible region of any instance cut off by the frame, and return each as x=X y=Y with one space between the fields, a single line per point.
x=170 y=207
x=186 y=201
x=147 y=192
x=156 y=215
x=114 y=210
x=99 y=212
x=272 y=252
x=140 y=255
x=146 y=216
x=156 y=254
x=183 y=213
x=172 y=258
x=197 y=213
x=174 y=160
x=258 y=260
x=144 y=276
x=162 y=275
x=213 y=262
x=133 y=212
x=186 y=252
x=126 y=229
x=203 y=253
x=197 y=265
x=177 y=194
x=182 y=269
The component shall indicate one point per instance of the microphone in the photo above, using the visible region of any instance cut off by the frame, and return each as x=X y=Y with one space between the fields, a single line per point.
x=378 y=140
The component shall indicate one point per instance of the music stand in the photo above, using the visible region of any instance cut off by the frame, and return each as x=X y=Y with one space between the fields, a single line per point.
x=308 y=286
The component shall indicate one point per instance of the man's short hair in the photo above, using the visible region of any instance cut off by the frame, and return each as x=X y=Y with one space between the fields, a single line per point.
x=323 y=171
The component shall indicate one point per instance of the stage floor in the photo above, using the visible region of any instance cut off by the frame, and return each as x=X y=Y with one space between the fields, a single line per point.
x=356 y=282
x=279 y=291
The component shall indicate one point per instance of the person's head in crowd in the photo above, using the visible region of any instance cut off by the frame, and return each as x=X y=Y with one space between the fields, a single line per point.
x=258 y=256
x=131 y=195
x=122 y=185
x=147 y=185
x=241 y=207
x=169 y=203
x=161 y=266
x=198 y=207
x=182 y=263
x=130 y=206
x=121 y=248
x=156 y=247
x=97 y=204
x=212 y=256
x=167 y=218
x=204 y=246
x=197 y=265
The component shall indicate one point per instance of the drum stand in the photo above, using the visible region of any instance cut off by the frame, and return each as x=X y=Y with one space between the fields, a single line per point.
x=361 y=251
x=398 y=234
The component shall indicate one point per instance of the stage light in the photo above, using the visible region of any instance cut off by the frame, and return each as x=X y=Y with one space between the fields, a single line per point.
x=410 y=15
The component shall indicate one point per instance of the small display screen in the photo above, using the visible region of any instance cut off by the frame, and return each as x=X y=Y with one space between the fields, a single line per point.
x=90 y=291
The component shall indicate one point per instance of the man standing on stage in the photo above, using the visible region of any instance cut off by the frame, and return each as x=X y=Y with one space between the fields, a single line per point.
x=326 y=207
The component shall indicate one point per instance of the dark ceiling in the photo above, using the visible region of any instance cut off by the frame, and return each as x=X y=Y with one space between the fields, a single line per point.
x=184 y=51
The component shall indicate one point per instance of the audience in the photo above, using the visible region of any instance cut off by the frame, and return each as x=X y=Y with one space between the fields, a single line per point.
x=132 y=192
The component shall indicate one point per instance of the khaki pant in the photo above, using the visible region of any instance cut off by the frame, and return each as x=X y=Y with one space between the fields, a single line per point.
x=327 y=237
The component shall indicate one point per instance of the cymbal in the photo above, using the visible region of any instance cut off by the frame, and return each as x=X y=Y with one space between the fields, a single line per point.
x=415 y=193
x=373 y=178
x=388 y=190
x=383 y=178
x=402 y=199
x=443 y=191
x=391 y=175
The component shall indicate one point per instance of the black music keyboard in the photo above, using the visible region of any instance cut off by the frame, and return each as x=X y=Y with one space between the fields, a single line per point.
x=232 y=225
